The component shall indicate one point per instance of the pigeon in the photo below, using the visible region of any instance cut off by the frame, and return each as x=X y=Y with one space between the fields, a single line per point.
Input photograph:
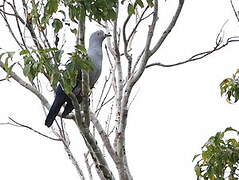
x=96 y=56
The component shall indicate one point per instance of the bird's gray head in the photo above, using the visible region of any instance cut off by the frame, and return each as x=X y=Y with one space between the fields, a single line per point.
x=98 y=37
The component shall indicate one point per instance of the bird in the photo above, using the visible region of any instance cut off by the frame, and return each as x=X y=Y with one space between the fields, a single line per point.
x=95 y=55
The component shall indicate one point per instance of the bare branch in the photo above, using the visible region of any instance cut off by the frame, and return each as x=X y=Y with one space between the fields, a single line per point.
x=27 y=86
x=130 y=38
x=88 y=165
x=30 y=128
x=18 y=26
x=104 y=137
x=128 y=57
x=9 y=123
x=103 y=90
x=234 y=10
x=141 y=18
x=97 y=156
x=15 y=12
x=10 y=29
x=73 y=160
x=104 y=103
x=169 y=28
x=197 y=56
x=138 y=60
x=4 y=79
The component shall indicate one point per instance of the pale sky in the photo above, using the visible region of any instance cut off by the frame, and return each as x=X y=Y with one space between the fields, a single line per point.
x=176 y=109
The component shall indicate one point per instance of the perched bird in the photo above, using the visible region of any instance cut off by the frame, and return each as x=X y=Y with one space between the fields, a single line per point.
x=95 y=55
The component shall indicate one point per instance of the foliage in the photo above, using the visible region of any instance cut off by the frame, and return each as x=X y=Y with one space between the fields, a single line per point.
x=219 y=159
x=45 y=16
x=7 y=56
x=54 y=16
x=230 y=88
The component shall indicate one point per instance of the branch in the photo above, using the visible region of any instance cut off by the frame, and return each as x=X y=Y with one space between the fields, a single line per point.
x=128 y=57
x=234 y=10
x=102 y=100
x=9 y=28
x=5 y=79
x=27 y=86
x=18 y=25
x=74 y=161
x=67 y=149
x=88 y=165
x=30 y=128
x=104 y=137
x=130 y=37
x=197 y=56
x=139 y=21
x=169 y=28
x=97 y=156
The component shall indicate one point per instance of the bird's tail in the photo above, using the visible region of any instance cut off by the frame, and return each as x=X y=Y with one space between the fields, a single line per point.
x=54 y=110
x=60 y=99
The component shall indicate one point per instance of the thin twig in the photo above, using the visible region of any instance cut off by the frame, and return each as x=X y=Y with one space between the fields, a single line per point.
x=103 y=89
x=8 y=123
x=88 y=165
x=104 y=103
x=30 y=128
x=4 y=79
x=197 y=56
x=234 y=10
x=9 y=28
x=139 y=21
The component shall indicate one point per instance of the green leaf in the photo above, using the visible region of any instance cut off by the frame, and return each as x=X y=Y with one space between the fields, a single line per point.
x=27 y=69
x=140 y=3
x=5 y=66
x=197 y=170
x=57 y=25
x=51 y=7
x=54 y=79
x=81 y=49
x=74 y=31
x=58 y=55
x=86 y=65
x=24 y=52
x=150 y=3
x=131 y=9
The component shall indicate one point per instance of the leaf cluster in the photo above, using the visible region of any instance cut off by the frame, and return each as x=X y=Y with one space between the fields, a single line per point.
x=46 y=16
x=132 y=6
x=79 y=9
x=230 y=88
x=219 y=159
x=7 y=65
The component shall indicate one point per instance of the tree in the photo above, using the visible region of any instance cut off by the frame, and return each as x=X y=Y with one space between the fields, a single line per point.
x=220 y=154
x=42 y=55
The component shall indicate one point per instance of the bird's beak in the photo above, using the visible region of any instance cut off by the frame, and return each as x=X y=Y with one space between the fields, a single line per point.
x=107 y=35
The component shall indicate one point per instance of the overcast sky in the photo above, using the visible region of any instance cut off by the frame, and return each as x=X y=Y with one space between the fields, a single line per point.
x=176 y=109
